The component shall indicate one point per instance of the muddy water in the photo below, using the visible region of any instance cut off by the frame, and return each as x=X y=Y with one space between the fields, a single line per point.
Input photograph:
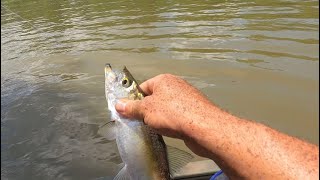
x=258 y=60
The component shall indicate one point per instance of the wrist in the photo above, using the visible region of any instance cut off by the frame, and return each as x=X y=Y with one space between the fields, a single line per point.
x=202 y=123
x=208 y=131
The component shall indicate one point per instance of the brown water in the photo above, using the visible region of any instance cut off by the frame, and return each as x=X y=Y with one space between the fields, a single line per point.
x=258 y=60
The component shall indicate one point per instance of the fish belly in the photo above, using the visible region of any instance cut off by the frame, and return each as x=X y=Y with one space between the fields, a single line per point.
x=145 y=159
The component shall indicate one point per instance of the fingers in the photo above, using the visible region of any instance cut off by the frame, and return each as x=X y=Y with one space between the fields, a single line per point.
x=149 y=86
x=131 y=109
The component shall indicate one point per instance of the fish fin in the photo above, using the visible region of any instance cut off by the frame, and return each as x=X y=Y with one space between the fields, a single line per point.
x=177 y=159
x=108 y=130
x=122 y=174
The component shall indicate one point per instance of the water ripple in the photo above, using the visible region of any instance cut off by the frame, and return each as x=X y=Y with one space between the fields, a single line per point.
x=50 y=128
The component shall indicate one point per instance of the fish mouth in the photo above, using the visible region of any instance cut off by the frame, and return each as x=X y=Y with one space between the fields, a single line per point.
x=107 y=68
x=108 y=72
x=110 y=77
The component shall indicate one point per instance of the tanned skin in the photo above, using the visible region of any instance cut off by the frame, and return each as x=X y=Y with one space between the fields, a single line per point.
x=243 y=149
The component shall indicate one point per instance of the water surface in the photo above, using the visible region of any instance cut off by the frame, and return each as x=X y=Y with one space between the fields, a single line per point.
x=258 y=60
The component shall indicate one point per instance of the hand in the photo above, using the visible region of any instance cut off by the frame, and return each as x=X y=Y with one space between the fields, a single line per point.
x=175 y=108
x=170 y=107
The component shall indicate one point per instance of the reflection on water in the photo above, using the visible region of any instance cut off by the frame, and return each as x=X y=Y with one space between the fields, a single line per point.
x=256 y=59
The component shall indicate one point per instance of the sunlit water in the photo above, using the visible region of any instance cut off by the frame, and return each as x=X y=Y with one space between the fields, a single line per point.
x=258 y=60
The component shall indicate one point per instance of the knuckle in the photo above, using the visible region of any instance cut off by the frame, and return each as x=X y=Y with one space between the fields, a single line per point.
x=139 y=109
x=146 y=100
x=134 y=109
x=143 y=106
x=129 y=108
x=165 y=77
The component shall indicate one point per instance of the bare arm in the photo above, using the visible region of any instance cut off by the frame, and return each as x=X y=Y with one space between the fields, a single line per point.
x=242 y=148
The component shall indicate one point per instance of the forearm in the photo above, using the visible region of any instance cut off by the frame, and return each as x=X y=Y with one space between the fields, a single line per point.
x=251 y=150
x=243 y=149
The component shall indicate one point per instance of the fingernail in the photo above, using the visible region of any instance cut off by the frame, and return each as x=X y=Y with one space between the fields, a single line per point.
x=120 y=106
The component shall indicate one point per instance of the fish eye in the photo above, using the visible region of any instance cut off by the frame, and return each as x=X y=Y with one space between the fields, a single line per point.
x=126 y=82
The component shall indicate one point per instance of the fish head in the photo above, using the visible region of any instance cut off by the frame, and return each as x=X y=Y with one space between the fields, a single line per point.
x=120 y=84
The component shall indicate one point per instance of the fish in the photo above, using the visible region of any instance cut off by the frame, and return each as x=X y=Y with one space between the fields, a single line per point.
x=144 y=153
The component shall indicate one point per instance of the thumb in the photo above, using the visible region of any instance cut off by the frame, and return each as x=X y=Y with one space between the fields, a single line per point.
x=130 y=109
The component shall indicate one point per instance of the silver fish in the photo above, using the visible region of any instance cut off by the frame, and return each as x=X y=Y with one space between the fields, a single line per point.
x=142 y=150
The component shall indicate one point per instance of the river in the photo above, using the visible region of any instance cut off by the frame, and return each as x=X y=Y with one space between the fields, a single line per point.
x=256 y=59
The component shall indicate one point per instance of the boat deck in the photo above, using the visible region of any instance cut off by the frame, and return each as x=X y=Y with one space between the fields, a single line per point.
x=198 y=170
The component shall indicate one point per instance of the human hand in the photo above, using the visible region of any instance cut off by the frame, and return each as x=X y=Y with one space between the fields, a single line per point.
x=174 y=108
x=170 y=106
